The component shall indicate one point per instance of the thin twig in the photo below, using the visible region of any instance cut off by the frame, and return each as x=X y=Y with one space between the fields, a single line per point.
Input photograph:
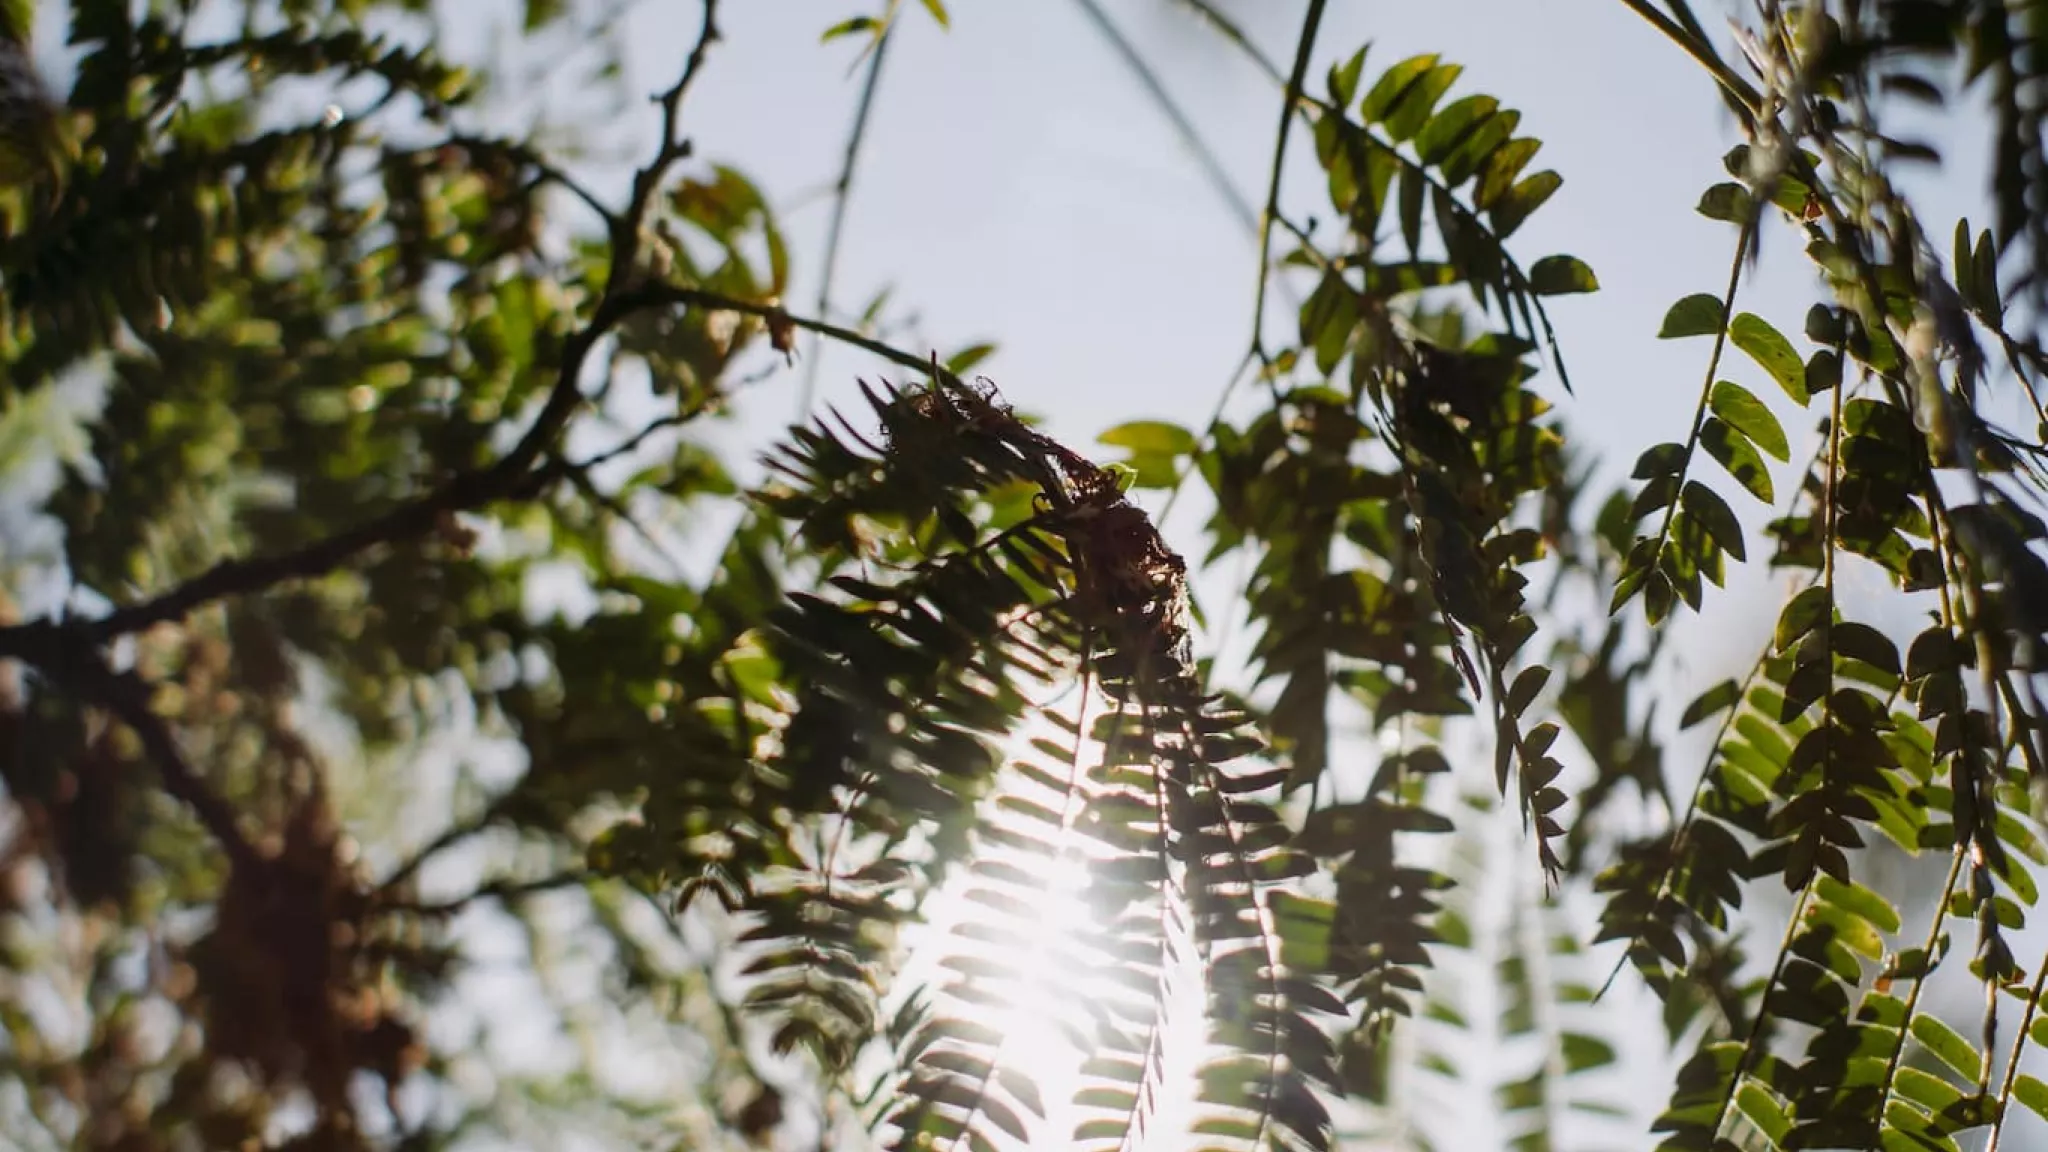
x=448 y=837
x=652 y=295
x=1699 y=414
x=2019 y=1050
x=1742 y=96
x=1190 y=136
x=504 y=891
x=1304 y=48
x=549 y=174
x=842 y=196
x=608 y=502
x=1230 y=31
x=626 y=237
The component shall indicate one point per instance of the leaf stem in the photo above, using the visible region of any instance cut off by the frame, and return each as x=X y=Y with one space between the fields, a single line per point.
x=1699 y=412
x=1756 y=1023
x=1891 y=1067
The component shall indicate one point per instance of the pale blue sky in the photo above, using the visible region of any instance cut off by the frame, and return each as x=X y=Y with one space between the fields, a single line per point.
x=1019 y=186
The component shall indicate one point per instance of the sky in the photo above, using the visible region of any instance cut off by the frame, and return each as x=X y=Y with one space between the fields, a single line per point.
x=1018 y=185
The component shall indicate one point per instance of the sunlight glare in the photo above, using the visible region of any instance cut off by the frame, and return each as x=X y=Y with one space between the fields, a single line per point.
x=1018 y=930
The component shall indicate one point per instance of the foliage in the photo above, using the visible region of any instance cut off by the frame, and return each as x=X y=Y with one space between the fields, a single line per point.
x=349 y=398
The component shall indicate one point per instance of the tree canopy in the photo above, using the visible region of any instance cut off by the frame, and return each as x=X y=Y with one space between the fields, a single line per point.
x=397 y=651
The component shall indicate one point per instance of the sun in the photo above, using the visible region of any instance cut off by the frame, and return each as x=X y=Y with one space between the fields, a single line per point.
x=1007 y=946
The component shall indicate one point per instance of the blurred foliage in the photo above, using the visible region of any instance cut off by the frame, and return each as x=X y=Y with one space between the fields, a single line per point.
x=375 y=604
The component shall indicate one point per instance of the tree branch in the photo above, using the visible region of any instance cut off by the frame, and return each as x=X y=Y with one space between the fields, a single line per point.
x=85 y=674
x=548 y=173
x=504 y=891
x=626 y=233
x=33 y=641
x=69 y=652
x=842 y=195
x=465 y=492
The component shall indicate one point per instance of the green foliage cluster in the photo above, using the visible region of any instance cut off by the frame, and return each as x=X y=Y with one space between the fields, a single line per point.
x=368 y=384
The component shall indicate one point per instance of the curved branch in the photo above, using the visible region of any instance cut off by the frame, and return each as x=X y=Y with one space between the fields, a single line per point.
x=85 y=674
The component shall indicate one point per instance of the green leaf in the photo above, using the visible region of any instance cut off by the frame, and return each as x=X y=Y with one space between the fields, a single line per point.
x=1713 y=701
x=1450 y=128
x=1862 y=642
x=1659 y=460
x=1706 y=505
x=850 y=27
x=2032 y=1093
x=1860 y=900
x=1926 y=1089
x=1525 y=197
x=1697 y=315
x=1738 y=456
x=1561 y=275
x=1747 y=415
x=1393 y=84
x=1411 y=112
x=1823 y=372
x=1344 y=79
x=938 y=10
x=1802 y=614
x=1413 y=187
x=966 y=358
x=1947 y=1045
x=541 y=13
x=1764 y=1110
x=1728 y=201
x=1501 y=166
x=1582 y=1052
x=1150 y=436
x=1769 y=348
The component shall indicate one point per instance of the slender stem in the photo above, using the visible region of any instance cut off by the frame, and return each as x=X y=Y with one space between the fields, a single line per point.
x=650 y=295
x=446 y=839
x=1236 y=35
x=2012 y=1065
x=504 y=891
x=1699 y=792
x=1740 y=92
x=1212 y=167
x=547 y=172
x=1699 y=412
x=1756 y=1023
x=1304 y=48
x=1933 y=940
x=842 y=196
x=626 y=233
